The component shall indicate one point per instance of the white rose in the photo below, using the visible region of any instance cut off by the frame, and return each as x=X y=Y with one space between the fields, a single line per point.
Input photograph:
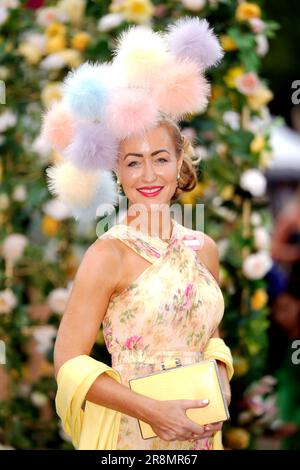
x=13 y=246
x=255 y=219
x=44 y=335
x=110 y=21
x=48 y=15
x=3 y=15
x=19 y=193
x=253 y=181
x=194 y=5
x=257 y=265
x=39 y=399
x=262 y=45
x=232 y=119
x=57 y=299
x=56 y=209
x=42 y=148
x=8 y=301
x=53 y=61
x=7 y=119
x=262 y=238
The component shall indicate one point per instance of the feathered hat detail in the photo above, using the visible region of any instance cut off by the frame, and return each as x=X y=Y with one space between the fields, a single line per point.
x=151 y=73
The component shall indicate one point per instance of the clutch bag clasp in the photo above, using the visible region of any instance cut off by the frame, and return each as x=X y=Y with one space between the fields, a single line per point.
x=170 y=364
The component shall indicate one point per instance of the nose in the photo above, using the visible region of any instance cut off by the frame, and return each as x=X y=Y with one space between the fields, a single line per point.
x=148 y=173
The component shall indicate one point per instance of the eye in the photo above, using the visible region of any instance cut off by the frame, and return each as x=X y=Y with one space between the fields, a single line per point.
x=162 y=158
x=130 y=164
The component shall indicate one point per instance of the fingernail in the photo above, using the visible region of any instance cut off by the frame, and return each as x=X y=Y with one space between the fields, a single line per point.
x=205 y=402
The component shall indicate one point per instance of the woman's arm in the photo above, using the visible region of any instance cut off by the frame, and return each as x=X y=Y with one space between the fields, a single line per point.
x=95 y=281
x=210 y=256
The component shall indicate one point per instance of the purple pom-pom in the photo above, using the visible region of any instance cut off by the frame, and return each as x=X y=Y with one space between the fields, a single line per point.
x=193 y=38
x=93 y=147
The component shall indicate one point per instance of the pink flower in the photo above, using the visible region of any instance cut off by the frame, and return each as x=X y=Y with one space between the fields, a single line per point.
x=248 y=83
x=257 y=25
x=187 y=295
x=132 y=342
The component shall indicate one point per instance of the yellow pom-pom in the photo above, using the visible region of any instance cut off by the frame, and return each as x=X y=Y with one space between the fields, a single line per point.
x=246 y=10
x=73 y=186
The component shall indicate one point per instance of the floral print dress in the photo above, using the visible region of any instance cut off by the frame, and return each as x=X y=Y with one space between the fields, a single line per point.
x=171 y=310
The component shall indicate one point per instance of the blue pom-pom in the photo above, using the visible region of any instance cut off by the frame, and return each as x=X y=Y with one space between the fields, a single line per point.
x=86 y=90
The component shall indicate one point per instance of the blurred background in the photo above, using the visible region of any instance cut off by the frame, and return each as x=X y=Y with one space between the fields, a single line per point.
x=249 y=181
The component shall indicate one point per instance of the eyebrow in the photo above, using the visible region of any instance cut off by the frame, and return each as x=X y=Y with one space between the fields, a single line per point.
x=140 y=154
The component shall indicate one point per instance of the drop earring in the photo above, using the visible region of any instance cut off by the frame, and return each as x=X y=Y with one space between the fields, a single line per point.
x=119 y=186
x=178 y=176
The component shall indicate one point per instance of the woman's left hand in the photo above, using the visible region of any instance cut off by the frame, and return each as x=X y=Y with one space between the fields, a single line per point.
x=211 y=428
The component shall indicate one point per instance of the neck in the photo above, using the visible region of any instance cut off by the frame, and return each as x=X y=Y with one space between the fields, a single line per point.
x=155 y=224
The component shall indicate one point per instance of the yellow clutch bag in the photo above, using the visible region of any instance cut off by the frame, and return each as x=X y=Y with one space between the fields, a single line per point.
x=190 y=382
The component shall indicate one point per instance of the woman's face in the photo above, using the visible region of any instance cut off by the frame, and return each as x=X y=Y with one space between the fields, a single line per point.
x=148 y=161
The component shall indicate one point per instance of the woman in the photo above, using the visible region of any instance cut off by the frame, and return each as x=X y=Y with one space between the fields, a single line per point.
x=156 y=297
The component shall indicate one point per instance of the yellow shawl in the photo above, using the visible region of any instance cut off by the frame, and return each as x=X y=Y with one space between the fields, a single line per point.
x=97 y=427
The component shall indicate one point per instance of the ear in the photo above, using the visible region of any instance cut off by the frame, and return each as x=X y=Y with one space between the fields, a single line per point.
x=180 y=160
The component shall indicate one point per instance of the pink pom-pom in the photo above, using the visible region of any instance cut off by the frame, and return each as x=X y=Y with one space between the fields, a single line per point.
x=182 y=89
x=58 y=126
x=130 y=112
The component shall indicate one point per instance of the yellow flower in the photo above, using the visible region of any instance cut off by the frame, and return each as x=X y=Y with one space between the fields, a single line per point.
x=246 y=10
x=81 y=41
x=190 y=197
x=237 y=438
x=137 y=11
x=56 y=44
x=257 y=144
x=259 y=299
x=265 y=159
x=232 y=75
x=51 y=92
x=49 y=225
x=216 y=92
x=240 y=365
x=227 y=43
x=260 y=98
x=227 y=192
x=31 y=54
x=71 y=57
x=55 y=29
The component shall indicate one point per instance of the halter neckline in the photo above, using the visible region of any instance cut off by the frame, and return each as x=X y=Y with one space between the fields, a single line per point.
x=146 y=235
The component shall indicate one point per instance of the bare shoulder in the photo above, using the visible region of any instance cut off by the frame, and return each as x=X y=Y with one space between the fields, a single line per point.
x=103 y=260
x=209 y=255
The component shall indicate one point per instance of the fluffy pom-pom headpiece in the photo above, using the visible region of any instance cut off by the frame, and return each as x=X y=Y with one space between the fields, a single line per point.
x=130 y=112
x=58 y=126
x=182 y=90
x=86 y=90
x=152 y=74
x=82 y=192
x=139 y=56
x=193 y=38
x=94 y=146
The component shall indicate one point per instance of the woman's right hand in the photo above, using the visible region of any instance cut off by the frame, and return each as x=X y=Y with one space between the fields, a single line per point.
x=170 y=422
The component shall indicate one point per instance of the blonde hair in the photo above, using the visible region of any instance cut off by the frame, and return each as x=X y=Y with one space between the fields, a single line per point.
x=188 y=176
